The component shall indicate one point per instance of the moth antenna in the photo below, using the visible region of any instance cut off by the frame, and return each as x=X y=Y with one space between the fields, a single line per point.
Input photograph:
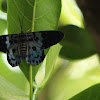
x=22 y=20
x=21 y=25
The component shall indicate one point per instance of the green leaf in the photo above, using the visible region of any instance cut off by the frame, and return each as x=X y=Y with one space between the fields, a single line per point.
x=51 y=59
x=49 y=65
x=9 y=91
x=70 y=13
x=38 y=15
x=92 y=93
x=0 y=4
x=77 y=43
x=3 y=26
x=3 y=5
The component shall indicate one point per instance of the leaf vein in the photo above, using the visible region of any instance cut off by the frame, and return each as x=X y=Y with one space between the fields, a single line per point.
x=29 y=3
x=21 y=12
x=33 y=21
x=39 y=1
x=15 y=21
x=45 y=12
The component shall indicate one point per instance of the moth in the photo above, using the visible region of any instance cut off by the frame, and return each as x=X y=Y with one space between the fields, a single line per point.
x=29 y=46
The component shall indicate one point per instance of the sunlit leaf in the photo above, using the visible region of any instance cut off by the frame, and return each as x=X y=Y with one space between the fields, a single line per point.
x=70 y=13
x=50 y=62
x=92 y=93
x=9 y=91
x=3 y=26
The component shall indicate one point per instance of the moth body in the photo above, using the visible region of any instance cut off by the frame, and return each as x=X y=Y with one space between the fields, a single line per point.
x=22 y=49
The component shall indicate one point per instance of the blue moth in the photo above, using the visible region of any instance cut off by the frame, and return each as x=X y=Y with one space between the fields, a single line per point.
x=29 y=46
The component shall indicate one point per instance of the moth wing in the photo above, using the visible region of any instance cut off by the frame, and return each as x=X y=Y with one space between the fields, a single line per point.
x=35 y=54
x=13 y=56
x=6 y=41
x=47 y=38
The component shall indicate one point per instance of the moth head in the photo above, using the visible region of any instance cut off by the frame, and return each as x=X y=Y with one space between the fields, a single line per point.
x=15 y=38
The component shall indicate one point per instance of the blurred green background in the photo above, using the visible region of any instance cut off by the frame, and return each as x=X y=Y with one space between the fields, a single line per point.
x=69 y=77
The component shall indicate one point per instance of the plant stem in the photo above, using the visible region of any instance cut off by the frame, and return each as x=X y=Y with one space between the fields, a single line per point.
x=35 y=94
x=31 y=83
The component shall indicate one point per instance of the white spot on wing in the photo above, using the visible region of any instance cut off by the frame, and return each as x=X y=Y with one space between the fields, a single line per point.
x=7 y=42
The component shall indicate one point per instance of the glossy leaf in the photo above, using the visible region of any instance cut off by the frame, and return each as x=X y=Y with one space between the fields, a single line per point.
x=77 y=43
x=49 y=63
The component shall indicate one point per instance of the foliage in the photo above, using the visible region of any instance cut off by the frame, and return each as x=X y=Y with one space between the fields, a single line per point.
x=77 y=44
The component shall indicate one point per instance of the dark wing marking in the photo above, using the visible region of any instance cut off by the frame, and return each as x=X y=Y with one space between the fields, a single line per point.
x=50 y=38
x=35 y=54
x=13 y=56
x=46 y=38
x=4 y=43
